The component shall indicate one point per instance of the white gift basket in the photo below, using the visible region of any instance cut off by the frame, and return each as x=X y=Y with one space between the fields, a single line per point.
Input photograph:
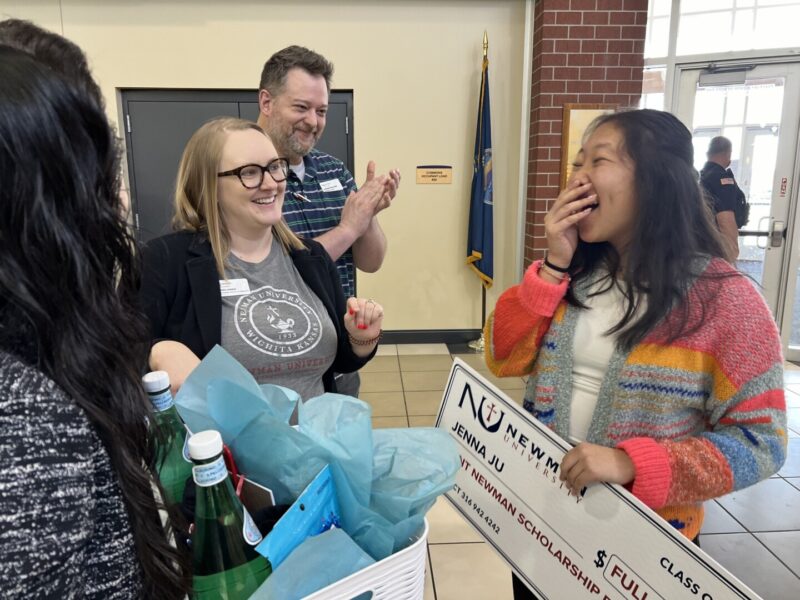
x=400 y=576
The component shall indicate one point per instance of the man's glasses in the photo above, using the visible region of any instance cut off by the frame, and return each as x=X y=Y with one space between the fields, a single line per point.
x=252 y=176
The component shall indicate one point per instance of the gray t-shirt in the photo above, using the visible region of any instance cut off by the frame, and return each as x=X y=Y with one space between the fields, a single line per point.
x=275 y=325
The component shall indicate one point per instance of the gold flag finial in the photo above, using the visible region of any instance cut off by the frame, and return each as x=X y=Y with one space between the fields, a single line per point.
x=485 y=44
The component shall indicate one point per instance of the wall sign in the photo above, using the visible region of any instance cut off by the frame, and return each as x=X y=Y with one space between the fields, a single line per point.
x=436 y=174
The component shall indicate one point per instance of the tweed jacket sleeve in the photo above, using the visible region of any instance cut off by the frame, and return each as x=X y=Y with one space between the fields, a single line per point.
x=738 y=349
x=64 y=530
x=522 y=316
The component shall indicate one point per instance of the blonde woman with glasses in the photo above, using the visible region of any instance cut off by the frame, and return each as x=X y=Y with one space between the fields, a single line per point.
x=234 y=274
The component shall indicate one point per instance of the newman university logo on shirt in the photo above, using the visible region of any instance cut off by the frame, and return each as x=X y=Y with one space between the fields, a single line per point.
x=277 y=322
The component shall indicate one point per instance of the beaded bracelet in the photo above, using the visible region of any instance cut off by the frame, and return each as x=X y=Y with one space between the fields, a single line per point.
x=365 y=342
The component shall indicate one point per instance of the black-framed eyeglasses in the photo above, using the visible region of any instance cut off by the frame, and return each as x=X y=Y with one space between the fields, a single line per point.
x=252 y=176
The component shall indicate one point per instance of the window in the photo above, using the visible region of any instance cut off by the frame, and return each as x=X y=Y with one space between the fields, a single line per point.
x=657 y=36
x=714 y=30
x=714 y=26
x=653 y=85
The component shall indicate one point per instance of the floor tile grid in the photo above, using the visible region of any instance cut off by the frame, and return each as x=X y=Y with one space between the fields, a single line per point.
x=794 y=570
x=755 y=535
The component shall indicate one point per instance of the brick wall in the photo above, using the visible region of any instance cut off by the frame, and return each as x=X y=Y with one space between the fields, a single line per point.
x=585 y=51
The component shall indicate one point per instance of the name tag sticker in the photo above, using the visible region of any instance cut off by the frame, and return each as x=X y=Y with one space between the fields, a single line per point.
x=332 y=185
x=726 y=181
x=234 y=287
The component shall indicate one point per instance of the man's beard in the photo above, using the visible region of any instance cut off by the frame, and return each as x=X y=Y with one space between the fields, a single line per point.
x=285 y=141
x=298 y=148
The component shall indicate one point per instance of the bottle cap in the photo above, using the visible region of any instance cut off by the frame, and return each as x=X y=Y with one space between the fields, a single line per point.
x=155 y=381
x=205 y=444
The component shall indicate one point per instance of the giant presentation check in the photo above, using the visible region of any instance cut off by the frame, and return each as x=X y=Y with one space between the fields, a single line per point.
x=603 y=544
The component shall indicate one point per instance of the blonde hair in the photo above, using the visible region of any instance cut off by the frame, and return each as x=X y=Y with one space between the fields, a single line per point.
x=196 y=203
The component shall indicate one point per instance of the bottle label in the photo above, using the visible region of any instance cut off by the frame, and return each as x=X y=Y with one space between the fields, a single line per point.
x=186 y=456
x=210 y=474
x=250 y=532
x=161 y=400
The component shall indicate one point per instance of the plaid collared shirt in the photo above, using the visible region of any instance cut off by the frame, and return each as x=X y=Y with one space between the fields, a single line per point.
x=326 y=185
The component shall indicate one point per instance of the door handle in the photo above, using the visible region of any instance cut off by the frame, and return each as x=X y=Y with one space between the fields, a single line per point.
x=776 y=234
x=766 y=233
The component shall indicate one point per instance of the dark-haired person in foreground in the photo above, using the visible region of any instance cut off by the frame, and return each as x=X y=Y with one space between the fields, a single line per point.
x=642 y=342
x=78 y=516
x=54 y=51
x=65 y=58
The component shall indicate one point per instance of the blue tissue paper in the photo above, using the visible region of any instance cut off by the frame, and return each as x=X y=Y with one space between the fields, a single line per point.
x=385 y=480
x=316 y=563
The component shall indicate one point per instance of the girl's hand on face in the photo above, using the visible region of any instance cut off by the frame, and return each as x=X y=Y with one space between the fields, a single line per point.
x=590 y=463
x=561 y=222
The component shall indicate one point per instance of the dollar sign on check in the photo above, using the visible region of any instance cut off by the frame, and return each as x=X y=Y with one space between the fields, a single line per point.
x=601 y=556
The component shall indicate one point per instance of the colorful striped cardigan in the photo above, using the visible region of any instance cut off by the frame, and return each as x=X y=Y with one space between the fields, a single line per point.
x=699 y=417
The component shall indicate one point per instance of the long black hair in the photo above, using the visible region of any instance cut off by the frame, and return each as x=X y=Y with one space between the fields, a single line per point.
x=674 y=228
x=68 y=276
x=54 y=51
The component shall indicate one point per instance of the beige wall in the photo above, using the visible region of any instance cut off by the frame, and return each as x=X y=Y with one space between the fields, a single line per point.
x=414 y=67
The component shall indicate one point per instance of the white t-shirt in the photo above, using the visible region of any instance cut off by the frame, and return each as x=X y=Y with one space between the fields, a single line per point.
x=592 y=351
x=299 y=170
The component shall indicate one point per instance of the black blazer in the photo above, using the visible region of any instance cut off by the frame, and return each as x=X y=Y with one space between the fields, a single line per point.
x=181 y=297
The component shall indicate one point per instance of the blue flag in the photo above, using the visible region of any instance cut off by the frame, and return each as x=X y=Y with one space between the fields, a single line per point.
x=480 y=243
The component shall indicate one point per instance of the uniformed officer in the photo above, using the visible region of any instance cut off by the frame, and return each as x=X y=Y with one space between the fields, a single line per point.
x=723 y=192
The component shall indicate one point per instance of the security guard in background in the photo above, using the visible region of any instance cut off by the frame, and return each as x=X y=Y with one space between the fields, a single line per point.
x=724 y=194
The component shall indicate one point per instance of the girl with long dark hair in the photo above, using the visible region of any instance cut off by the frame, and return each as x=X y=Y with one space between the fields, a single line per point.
x=642 y=342
x=78 y=517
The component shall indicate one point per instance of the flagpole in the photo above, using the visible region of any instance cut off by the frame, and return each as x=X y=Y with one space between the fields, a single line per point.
x=479 y=344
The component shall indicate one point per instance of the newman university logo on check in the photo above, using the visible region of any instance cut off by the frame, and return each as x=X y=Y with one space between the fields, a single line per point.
x=602 y=544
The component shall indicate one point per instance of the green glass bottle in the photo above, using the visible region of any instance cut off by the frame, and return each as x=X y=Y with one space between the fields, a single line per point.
x=226 y=564
x=172 y=459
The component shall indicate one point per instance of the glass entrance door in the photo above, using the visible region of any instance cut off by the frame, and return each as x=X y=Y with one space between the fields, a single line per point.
x=756 y=108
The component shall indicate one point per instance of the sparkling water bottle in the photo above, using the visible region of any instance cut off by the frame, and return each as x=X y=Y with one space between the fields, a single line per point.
x=226 y=564
x=172 y=459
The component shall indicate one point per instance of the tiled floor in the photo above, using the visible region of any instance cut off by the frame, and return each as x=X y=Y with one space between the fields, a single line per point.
x=754 y=533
